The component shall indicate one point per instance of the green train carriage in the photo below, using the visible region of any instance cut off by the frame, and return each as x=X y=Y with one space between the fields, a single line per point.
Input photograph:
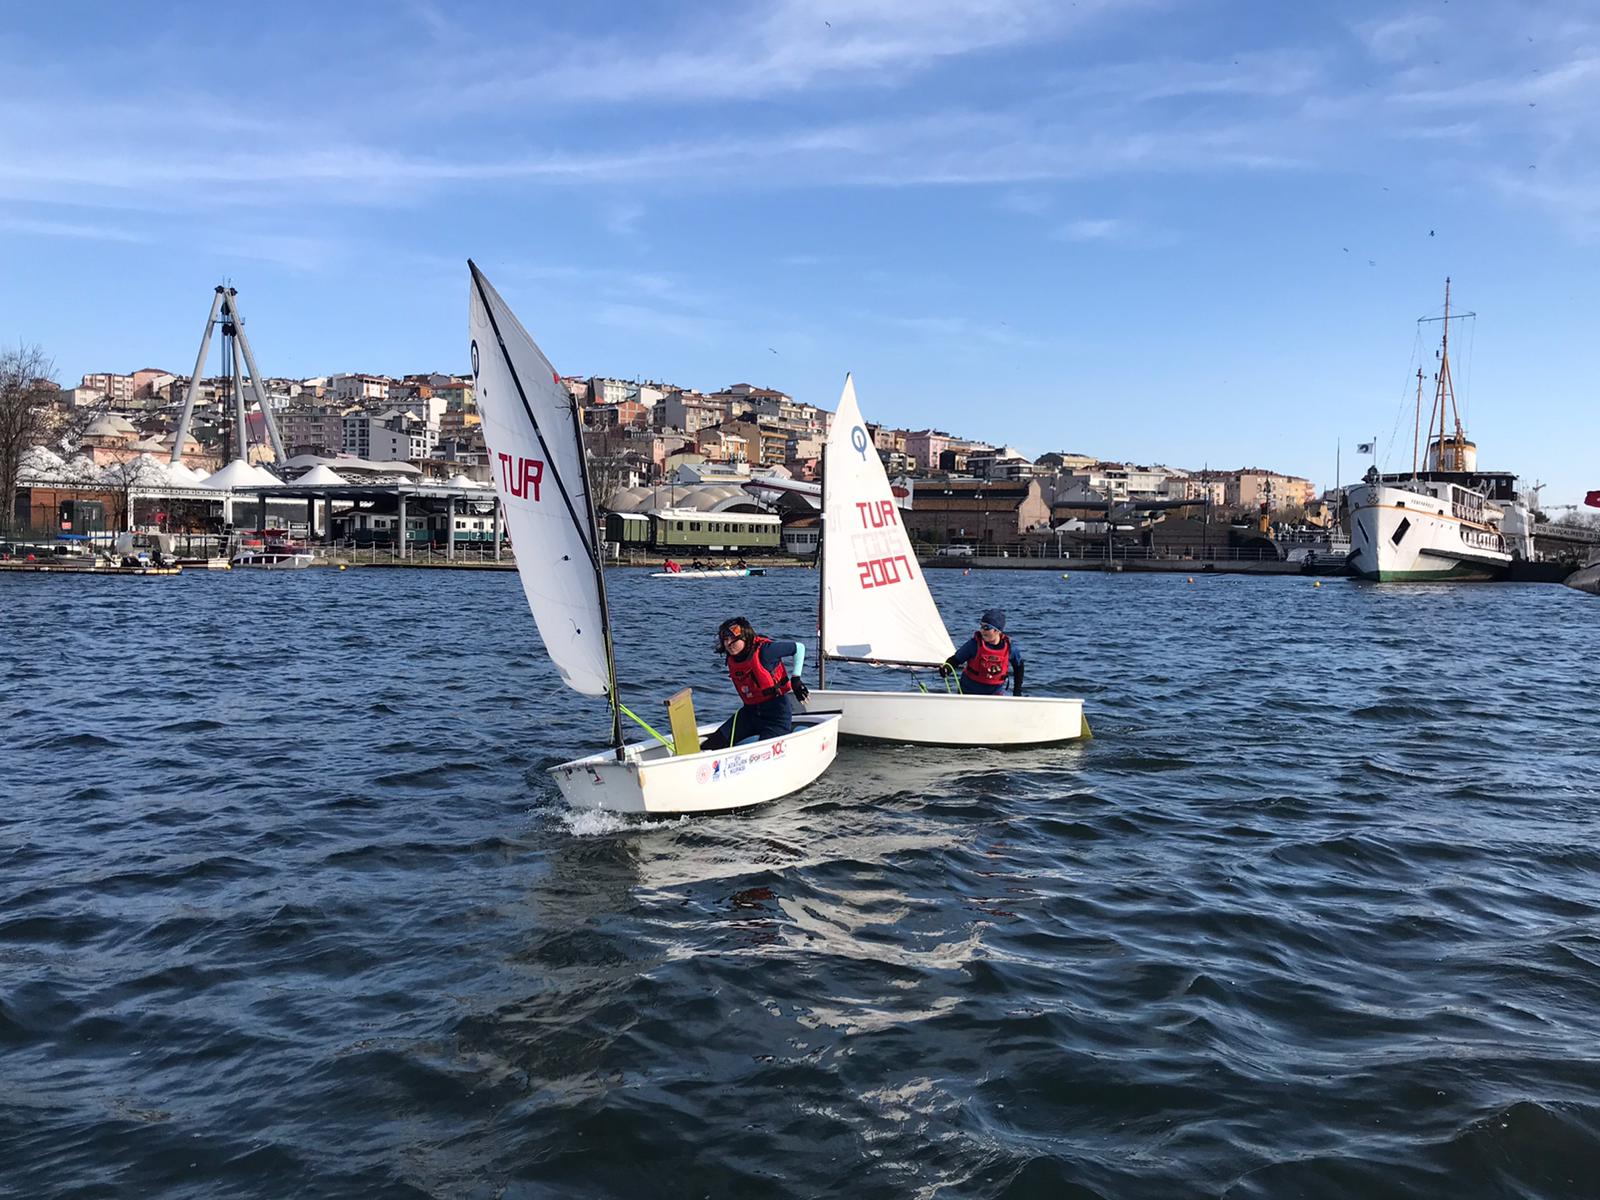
x=717 y=532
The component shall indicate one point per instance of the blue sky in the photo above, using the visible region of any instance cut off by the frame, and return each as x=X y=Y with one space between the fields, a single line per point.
x=1165 y=231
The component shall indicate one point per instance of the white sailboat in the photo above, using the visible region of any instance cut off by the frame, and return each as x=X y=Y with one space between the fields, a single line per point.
x=876 y=608
x=531 y=426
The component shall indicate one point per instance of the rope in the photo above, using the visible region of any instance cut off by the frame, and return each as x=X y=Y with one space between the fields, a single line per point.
x=644 y=725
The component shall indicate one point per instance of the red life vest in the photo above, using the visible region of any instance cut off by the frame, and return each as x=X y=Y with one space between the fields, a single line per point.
x=990 y=664
x=754 y=683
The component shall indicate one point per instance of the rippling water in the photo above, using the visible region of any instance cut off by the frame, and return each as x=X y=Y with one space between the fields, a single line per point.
x=288 y=906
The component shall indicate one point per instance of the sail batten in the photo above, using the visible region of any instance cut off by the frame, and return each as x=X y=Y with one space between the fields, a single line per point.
x=875 y=602
x=542 y=485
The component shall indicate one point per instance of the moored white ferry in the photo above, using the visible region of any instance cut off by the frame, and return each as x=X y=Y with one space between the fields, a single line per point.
x=1446 y=519
x=1432 y=526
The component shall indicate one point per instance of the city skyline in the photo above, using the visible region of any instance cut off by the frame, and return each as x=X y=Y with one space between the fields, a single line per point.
x=1183 y=233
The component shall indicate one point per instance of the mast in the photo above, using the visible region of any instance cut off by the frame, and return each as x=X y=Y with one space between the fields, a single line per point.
x=1444 y=374
x=1416 y=433
x=822 y=580
x=1444 y=398
x=587 y=530
x=599 y=581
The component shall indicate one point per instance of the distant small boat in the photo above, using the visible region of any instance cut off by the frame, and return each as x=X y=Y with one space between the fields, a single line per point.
x=275 y=553
x=711 y=573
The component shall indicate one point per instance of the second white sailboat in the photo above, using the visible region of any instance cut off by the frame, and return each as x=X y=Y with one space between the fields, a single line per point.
x=875 y=608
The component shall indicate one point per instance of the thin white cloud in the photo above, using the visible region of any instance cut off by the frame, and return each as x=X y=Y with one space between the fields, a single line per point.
x=653 y=321
x=1273 y=109
x=70 y=229
x=622 y=218
x=1100 y=229
x=962 y=331
x=1395 y=39
x=1027 y=204
x=1119 y=230
x=1258 y=74
x=773 y=49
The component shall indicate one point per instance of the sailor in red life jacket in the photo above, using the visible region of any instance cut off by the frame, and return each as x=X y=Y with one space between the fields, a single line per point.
x=986 y=659
x=755 y=665
x=671 y=567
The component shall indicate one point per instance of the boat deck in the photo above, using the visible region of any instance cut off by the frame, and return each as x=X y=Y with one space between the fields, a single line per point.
x=50 y=568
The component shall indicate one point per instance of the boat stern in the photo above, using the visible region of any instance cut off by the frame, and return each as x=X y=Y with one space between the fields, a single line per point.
x=650 y=779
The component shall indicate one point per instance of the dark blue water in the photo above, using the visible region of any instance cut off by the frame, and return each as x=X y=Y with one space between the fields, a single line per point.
x=289 y=908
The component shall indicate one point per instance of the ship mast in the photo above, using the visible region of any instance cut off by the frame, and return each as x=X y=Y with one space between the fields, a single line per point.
x=1416 y=432
x=1451 y=453
x=1447 y=391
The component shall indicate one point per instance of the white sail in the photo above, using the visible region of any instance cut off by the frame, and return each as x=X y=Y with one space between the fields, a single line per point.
x=875 y=601
x=541 y=483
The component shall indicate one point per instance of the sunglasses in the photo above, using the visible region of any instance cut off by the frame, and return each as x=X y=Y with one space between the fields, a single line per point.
x=985 y=627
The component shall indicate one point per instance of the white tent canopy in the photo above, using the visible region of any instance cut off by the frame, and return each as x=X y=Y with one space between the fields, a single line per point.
x=346 y=463
x=240 y=474
x=322 y=475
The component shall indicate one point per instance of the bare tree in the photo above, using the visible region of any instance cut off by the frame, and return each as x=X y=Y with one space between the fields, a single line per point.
x=27 y=386
x=123 y=478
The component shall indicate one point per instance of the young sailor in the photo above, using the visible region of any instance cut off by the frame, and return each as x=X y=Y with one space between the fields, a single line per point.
x=755 y=664
x=986 y=659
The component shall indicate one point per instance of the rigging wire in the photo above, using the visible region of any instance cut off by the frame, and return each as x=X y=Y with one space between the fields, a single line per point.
x=1407 y=395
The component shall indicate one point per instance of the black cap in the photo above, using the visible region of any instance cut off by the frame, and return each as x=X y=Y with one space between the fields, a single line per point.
x=741 y=625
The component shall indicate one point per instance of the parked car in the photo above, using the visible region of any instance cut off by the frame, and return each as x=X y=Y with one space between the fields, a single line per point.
x=955 y=551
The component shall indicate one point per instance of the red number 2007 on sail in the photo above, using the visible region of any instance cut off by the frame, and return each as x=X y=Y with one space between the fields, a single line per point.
x=880 y=572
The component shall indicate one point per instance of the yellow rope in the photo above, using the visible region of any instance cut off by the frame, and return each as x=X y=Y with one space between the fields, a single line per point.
x=645 y=725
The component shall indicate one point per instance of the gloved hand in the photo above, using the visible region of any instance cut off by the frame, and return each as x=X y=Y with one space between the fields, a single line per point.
x=801 y=691
x=947 y=668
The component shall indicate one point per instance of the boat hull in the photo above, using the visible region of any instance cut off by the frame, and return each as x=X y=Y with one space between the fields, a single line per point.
x=1403 y=536
x=1586 y=580
x=728 y=573
x=950 y=718
x=272 y=562
x=650 y=779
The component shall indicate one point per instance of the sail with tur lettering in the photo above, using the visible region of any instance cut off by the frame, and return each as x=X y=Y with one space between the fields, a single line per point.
x=535 y=453
x=875 y=601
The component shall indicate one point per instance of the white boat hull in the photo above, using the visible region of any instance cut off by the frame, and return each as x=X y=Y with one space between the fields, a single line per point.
x=727 y=573
x=272 y=561
x=950 y=718
x=1399 y=535
x=650 y=779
